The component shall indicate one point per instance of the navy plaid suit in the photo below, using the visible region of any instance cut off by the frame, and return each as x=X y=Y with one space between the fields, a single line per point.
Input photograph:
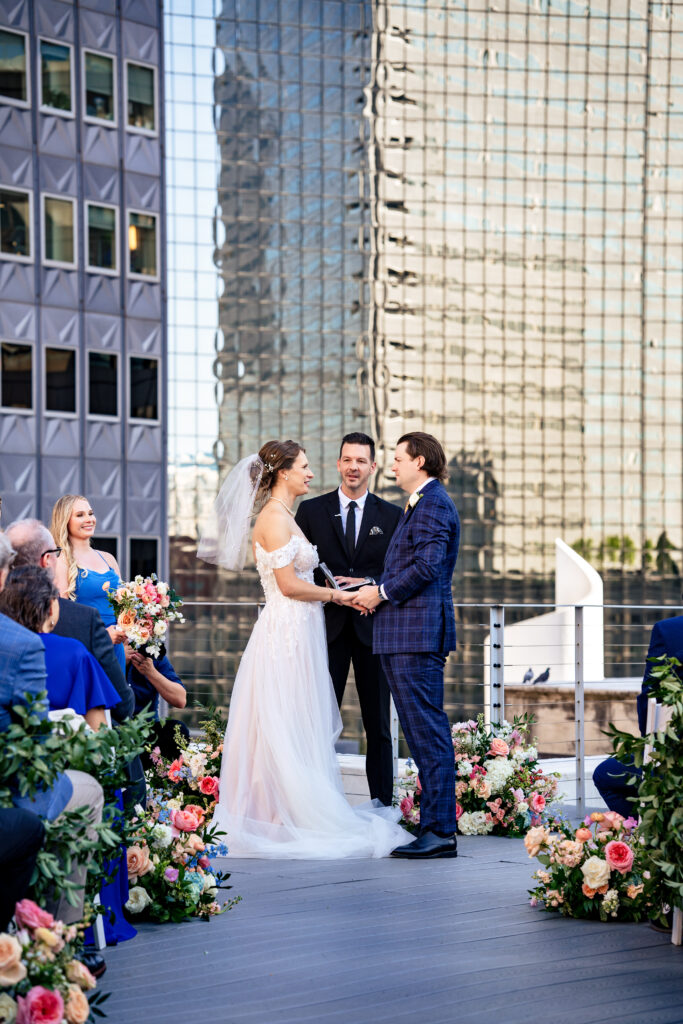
x=414 y=629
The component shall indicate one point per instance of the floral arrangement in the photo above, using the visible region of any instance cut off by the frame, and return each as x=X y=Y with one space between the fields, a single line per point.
x=594 y=871
x=499 y=789
x=41 y=982
x=143 y=608
x=169 y=853
x=193 y=777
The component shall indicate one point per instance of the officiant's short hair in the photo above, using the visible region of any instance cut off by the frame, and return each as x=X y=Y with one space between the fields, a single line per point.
x=357 y=438
x=429 y=448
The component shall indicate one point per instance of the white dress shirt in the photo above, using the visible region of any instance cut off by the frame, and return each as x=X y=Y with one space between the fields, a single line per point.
x=344 y=502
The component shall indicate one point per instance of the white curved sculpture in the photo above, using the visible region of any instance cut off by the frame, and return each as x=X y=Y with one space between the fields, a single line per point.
x=548 y=641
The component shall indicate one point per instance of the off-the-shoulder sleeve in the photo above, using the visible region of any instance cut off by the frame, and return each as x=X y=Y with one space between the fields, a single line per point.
x=280 y=557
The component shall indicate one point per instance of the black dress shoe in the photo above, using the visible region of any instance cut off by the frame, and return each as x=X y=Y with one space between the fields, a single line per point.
x=428 y=845
x=95 y=963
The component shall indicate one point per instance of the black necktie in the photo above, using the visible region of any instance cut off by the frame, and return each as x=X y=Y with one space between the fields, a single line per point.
x=351 y=529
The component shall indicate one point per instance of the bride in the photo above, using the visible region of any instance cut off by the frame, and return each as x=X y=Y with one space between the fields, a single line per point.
x=281 y=793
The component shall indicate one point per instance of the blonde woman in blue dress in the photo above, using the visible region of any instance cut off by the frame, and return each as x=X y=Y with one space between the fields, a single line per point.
x=281 y=793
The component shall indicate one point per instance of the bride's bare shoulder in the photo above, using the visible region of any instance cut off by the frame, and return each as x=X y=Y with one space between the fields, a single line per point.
x=272 y=528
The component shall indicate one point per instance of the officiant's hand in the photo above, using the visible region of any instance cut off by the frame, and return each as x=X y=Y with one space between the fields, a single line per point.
x=368 y=598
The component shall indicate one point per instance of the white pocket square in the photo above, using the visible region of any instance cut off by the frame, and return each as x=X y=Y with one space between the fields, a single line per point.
x=376 y=531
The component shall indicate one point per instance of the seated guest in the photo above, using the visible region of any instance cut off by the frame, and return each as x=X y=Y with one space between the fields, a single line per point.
x=22 y=673
x=150 y=679
x=613 y=779
x=74 y=679
x=83 y=572
x=21 y=837
x=34 y=545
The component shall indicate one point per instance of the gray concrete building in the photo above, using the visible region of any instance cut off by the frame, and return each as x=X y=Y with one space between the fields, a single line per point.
x=82 y=267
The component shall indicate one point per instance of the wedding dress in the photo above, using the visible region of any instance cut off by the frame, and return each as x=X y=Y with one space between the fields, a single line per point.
x=281 y=793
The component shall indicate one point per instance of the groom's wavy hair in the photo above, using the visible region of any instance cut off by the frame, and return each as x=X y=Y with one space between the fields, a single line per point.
x=275 y=456
x=431 y=451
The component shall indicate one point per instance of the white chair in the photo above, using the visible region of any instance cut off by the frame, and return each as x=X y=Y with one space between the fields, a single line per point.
x=658 y=717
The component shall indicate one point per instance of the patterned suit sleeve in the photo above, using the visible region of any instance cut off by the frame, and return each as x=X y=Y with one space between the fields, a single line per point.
x=431 y=533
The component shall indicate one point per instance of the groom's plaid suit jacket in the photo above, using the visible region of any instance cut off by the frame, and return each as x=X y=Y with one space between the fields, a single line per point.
x=418 y=613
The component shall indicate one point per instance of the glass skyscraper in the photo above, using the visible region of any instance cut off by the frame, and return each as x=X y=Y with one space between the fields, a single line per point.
x=447 y=216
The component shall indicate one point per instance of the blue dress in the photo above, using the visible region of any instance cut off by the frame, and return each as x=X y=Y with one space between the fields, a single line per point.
x=74 y=678
x=89 y=590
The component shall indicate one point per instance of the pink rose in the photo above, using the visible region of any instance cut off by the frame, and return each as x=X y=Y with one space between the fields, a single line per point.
x=184 y=821
x=499 y=747
x=29 y=915
x=204 y=862
x=40 y=1006
x=611 y=822
x=165 y=601
x=537 y=802
x=630 y=824
x=458 y=810
x=209 y=785
x=406 y=805
x=196 y=809
x=619 y=856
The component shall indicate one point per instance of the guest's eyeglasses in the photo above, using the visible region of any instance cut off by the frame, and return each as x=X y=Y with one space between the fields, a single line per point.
x=52 y=551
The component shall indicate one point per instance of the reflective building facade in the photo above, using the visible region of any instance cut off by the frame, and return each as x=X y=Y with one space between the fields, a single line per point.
x=441 y=216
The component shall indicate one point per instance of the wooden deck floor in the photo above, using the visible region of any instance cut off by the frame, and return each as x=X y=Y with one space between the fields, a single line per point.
x=368 y=942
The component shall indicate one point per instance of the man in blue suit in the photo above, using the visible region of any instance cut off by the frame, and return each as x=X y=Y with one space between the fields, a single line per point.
x=414 y=629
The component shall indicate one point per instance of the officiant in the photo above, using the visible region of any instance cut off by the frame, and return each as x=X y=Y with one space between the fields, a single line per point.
x=351 y=528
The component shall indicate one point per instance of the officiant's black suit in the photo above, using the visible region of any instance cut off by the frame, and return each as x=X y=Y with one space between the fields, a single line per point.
x=349 y=634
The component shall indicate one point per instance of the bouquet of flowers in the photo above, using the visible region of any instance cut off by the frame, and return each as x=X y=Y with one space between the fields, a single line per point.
x=594 y=871
x=499 y=786
x=40 y=979
x=169 y=854
x=143 y=608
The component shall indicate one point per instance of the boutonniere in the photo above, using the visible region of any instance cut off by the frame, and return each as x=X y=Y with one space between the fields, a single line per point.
x=376 y=531
x=414 y=498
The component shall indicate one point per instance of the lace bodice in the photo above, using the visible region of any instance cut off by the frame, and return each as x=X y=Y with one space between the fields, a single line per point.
x=297 y=550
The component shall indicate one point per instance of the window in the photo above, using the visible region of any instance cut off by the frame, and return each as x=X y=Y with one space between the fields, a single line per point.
x=141 y=98
x=60 y=380
x=55 y=76
x=13 y=76
x=102 y=240
x=59 y=239
x=98 y=75
x=16 y=376
x=15 y=224
x=144 y=388
x=142 y=244
x=103 y=390
x=144 y=557
x=108 y=544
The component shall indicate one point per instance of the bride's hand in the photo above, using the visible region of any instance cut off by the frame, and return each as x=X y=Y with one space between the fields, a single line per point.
x=343 y=596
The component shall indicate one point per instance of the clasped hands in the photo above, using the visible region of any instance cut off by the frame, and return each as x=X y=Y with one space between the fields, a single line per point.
x=364 y=600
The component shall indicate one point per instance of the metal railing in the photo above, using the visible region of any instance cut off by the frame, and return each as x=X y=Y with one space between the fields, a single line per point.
x=483 y=675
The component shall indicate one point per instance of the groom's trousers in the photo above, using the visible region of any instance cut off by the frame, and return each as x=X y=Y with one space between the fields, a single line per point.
x=416 y=683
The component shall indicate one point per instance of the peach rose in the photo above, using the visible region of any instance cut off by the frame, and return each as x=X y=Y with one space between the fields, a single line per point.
x=196 y=809
x=126 y=618
x=48 y=938
x=535 y=839
x=184 y=821
x=569 y=853
x=634 y=890
x=499 y=747
x=587 y=891
x=583 y=835
x=80 y=975
x=139 y=863
x=77 y=1009
x=597 y=816
x=193 y=844
x=12 y=971
x=603 y=889
x=28 y=914
x=209 y=785
x=619 y=856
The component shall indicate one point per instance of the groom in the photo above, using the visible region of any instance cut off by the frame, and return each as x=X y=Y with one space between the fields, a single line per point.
x=414 y=629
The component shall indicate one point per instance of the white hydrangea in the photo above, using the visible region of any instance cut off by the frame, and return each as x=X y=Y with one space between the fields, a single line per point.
x=498 y=771
x=162 y=837
x=464 y=769
x=524 y=754
x=474 y=823
x=138 y=899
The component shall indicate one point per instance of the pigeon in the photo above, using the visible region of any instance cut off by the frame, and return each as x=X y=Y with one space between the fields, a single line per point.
x=543 y=678
x=528 y=675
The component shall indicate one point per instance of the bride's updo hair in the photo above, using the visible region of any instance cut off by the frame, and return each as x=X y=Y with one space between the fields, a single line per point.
x=275 y=456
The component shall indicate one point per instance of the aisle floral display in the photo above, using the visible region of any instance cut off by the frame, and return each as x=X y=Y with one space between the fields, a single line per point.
x=597 y=870
x=143 y=608
x=193 y=777
x=500 y=788
x=41 y=982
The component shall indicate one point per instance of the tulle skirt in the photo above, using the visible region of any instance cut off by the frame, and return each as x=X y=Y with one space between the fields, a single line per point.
x=281 y=793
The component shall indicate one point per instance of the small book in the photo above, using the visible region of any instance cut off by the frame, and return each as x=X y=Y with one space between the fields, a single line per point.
x=329 y=576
